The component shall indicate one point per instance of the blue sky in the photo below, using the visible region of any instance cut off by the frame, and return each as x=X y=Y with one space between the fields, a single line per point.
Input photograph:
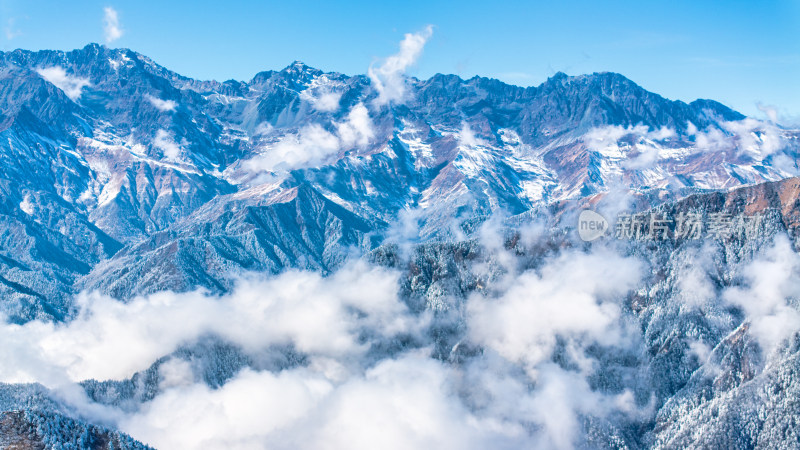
x=740 y=53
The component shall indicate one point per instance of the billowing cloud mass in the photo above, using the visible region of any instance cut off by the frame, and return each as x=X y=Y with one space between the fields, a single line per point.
x=565 y=299
x=398 y=404
x=111 y=25
x=161 y=105
x=341 y=400
x=112 y=340
x=600 y=137
x=389 y=78
x=357 y=129
x=351 y=391
x=366 y=376
x=71 y=85
x=313 y=145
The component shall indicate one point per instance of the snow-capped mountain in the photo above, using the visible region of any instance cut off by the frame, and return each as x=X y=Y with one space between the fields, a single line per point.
x=134 y=196
x=121 y=175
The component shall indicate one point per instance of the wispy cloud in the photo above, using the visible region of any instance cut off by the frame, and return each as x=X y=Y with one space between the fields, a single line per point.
x=640 y=153
x=10 y=29
x=111 y=25
x=770 y=111
x=161 y=105
x=746 y=136
x=71 y=85
x=165 y=142
x=770 y=283
x=389 y=78
x=789 y=59
x=323 y=99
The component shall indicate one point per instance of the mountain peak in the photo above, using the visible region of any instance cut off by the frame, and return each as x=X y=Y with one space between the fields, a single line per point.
x=94 y=46
x=298 y=67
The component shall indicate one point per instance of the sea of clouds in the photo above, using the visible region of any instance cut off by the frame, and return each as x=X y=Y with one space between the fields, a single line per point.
x=527 y=379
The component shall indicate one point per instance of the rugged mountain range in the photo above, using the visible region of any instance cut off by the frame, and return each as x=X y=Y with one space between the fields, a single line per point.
x=122 y=177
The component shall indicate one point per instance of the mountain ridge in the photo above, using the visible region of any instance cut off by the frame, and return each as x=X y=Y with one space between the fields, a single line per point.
x=126 y=149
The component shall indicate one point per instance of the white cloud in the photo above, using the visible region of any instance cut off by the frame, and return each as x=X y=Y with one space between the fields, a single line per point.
x=389 y=78
x=771 y=283
x=770 y=111
x=756 y=137
x=263 y=128
x=787 y=164
x=323 y=100
x=111 y=25
x=241 y=414
x=313 y=145
x=347 y=396
x=559 y=399
x=165 y=142
x=639 y=148
x=357 y=130
x=161 y=105
x=600 y=137
x=70 y=84
x=344 y=399
x=572 y=297
x=467 y=137
x=399 y=403
x=661 y=134
x=646 y=158
x=695 y=287
x=175 y=372
x=640 y=152
x=711 y=140
x=10 y=31
x=112 y=340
